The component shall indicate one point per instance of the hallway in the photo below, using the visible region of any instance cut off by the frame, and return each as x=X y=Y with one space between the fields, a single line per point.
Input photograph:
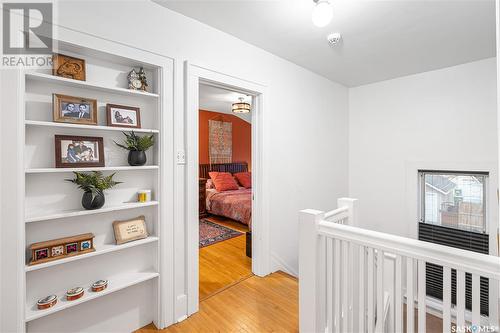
x=256 y=304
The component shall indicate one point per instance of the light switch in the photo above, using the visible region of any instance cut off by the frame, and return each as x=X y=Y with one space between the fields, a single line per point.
x=181 y=157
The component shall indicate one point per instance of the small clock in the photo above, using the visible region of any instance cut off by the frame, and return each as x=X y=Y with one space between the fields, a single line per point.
x=136 y=83
x=137 y=80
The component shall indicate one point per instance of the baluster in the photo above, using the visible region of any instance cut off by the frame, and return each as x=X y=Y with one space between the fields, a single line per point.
x=344 y=285
x=361 y=312
x=460 y=299
x=351 y=280
x=380 y=291
x=371 y=317
x=446 y=299
x=329 y=284
x=476 y=300
x=336 y=279
x=410 y=303
x=398 y=296
x=421 y=297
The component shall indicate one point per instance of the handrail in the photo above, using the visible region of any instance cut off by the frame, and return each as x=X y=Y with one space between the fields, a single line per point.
x=468 y=261
x=336 y=212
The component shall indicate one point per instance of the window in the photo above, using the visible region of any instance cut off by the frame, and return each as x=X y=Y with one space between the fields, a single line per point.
x=453 y=199
x=452 y=213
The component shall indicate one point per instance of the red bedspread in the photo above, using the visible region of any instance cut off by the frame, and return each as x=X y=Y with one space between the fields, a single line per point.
x=236 y=205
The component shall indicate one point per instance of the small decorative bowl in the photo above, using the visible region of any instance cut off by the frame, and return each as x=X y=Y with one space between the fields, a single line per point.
x=75 y=293
x=46 y=302
x=99 y=285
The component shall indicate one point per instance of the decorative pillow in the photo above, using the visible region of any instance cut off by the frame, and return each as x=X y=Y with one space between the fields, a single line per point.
x=209 y=184
x=223 y=181
x=244 y=178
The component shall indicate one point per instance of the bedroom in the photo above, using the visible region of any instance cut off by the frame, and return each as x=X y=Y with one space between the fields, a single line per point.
x=225 y=196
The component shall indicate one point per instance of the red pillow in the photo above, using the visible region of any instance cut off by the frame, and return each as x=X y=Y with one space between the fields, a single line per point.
x=244 y=178
x=223 y=181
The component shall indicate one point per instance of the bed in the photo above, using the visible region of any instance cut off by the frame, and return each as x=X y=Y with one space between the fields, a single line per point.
x=234 y=204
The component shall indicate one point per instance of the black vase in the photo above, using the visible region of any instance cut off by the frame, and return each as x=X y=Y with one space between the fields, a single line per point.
x=96 y=203
x=136 y=157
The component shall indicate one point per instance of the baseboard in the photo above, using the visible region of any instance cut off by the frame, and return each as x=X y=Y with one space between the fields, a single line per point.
x=278 y=264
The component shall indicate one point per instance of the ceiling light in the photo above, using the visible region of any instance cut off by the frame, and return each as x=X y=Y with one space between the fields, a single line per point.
x=322 y=13
x=241 y=107
x=334 y=38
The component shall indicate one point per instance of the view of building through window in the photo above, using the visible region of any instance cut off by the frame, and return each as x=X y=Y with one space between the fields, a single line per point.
x=454 y=200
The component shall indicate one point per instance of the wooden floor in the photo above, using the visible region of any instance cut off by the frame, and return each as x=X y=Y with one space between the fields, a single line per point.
x=256 y=304
x=224 y=264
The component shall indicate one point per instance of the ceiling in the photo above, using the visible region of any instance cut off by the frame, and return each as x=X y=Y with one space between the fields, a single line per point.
x=221 y=100
x=380 y=39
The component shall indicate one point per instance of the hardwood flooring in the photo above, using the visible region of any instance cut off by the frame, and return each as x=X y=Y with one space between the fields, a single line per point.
x=256 y=304
x=225 y=263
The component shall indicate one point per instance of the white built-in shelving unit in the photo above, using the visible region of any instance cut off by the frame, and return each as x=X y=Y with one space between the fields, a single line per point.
x=53 y=206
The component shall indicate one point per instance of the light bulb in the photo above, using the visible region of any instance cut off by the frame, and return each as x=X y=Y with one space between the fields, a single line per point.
x=322 y=13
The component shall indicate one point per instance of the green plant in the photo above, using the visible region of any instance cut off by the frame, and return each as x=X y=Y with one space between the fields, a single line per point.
x=135 y=142
x=93 y=182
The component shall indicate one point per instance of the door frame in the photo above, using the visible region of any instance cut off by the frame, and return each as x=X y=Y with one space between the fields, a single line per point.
x=194 y=76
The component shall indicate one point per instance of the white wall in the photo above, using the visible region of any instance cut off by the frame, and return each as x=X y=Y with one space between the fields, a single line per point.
x=444 y=119
x=305 y=120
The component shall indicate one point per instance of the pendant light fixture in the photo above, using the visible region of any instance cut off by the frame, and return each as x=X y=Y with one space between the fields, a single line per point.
x=241 y=106
x=322 y=13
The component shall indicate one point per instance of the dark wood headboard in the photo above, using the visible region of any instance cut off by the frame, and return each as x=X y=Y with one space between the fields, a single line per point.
x=234 y=167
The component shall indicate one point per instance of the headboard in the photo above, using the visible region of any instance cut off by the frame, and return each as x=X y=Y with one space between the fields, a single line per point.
x=234 y=167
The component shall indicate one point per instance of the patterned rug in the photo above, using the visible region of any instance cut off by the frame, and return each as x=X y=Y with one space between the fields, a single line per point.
x=211 y=233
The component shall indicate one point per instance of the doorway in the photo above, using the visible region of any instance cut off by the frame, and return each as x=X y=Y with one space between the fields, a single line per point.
x=225 y=189
x=196 y=75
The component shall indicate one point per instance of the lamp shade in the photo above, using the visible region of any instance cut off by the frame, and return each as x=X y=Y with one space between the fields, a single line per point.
x=241 y=107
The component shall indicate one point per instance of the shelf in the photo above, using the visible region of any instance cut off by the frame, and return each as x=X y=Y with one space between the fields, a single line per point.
x=82 y=212
x=89 y=127
x=87 y=85
x=114 y=284
x=116 y=168
x=103 y=249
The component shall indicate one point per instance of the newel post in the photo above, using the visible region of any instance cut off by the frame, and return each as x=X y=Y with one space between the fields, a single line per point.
x=352 y=204
x=309 y=286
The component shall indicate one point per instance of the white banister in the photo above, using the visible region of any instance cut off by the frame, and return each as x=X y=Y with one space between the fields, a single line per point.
x=353 y=279
x=309 y=288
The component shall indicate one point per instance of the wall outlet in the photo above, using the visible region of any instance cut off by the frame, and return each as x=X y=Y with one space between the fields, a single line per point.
x=181 y=157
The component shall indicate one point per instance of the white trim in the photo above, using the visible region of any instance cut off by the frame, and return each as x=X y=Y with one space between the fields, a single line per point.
x=260 y=235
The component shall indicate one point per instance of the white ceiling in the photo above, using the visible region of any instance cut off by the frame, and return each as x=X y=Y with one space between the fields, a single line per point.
x=221 y=100
x=381 y=39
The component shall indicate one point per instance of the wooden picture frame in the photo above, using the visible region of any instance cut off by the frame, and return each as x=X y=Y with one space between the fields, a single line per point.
x=128 y=116
x=74 y=110
x=130 y=230
x=68 y=67
x=87 y=151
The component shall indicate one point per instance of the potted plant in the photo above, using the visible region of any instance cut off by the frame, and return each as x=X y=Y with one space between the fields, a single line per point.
x=137 y=146
x=93 y=185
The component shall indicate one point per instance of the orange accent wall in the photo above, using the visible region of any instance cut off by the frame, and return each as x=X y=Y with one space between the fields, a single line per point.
x=242 y=137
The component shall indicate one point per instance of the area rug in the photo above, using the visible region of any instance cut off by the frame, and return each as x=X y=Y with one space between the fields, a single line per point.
x=211 y=233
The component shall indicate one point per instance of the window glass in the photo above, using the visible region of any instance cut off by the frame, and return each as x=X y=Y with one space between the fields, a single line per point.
x=454 y=200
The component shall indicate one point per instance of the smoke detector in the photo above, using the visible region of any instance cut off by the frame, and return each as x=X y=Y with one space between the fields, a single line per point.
x=334 y=38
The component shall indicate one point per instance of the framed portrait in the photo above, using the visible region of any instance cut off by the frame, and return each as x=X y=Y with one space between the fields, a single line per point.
x=130 y=230
x=68 y=67
x=75 y=110
x=79 y=151
x=123 y=116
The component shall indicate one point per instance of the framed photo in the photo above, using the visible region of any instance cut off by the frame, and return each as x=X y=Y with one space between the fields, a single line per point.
x=130 y=230
x=79 y=151
x=69 y=67
x=75 y=110
x=123 y=116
